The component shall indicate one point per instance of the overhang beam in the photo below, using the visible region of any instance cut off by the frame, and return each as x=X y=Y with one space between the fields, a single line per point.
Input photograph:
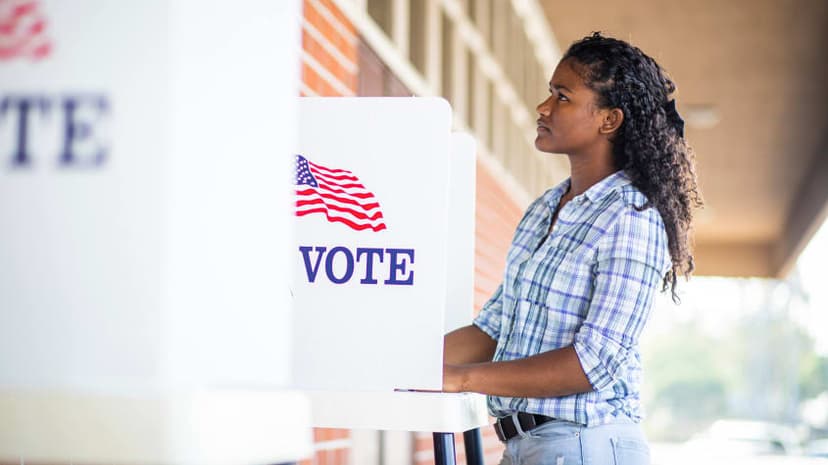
x=733 y=259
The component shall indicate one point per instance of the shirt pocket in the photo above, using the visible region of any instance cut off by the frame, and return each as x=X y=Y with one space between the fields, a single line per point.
x=544 y=328
x=560 y=280
x=552 y=300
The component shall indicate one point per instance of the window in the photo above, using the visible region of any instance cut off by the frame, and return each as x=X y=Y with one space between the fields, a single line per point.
x=492 y=122
x=380 y=12
x=460 y=78
x=417 y=43
x=471 y=92
x=480 y=14
x=499 y=31
x=448 y=58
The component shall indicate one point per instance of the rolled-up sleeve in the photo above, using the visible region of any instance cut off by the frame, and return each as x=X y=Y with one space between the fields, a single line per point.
x=488 y=320
x=630 y=263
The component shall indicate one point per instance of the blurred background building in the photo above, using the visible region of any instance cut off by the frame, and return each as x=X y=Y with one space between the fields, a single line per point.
x=749 y=341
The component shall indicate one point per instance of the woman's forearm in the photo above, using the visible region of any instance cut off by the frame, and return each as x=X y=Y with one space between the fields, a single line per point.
x=468 y=344
x=551 y=374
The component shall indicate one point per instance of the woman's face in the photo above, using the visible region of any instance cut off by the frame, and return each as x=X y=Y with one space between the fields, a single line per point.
x=569 y=119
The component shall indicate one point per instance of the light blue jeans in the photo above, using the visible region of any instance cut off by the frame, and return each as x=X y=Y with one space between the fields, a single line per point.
x=560 y=442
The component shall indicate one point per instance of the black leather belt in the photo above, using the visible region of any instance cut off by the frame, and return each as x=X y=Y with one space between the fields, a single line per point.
x=506 y=429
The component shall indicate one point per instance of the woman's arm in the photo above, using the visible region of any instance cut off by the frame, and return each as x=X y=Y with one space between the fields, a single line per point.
x=551 y=374
x=468 y=344
x=625 y=282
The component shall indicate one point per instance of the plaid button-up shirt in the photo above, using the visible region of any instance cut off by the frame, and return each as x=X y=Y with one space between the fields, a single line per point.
x=589 y=284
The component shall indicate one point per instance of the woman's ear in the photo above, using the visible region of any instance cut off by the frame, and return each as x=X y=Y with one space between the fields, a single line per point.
x=611 y=120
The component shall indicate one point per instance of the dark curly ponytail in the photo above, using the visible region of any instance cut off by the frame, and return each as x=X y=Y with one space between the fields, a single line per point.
x=649 y=146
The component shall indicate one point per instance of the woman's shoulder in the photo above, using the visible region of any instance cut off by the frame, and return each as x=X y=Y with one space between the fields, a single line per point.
x=635 y=228
x=628 y=202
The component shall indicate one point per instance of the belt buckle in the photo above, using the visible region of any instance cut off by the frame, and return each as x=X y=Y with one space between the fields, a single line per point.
x=531 y=420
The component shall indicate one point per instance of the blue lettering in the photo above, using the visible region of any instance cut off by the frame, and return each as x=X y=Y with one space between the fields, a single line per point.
x=20 y=156
x=396 y=266
x=76 y=130
x=312 y=270
x=349 y=265
x=400 y=263
x=81 y=116
x=369 y=264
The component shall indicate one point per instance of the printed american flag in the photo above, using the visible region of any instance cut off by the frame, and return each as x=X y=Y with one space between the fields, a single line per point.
x=22 y=31
x=336 y=193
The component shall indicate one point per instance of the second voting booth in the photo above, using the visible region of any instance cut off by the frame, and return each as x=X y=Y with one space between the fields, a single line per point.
x=383 y=264
x=144 y=204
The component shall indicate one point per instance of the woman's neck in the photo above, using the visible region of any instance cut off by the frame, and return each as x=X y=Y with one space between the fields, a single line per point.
x=586 y=172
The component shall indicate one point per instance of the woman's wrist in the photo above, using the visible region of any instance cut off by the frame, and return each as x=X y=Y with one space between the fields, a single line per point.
x=456 y=378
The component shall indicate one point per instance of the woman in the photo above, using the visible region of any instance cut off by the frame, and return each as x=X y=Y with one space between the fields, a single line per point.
x=556 y=347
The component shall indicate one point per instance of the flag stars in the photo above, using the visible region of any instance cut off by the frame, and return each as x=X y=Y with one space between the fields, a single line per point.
x=302 y=174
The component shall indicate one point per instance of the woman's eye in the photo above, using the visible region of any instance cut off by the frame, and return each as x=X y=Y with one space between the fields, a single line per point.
x=559 y=95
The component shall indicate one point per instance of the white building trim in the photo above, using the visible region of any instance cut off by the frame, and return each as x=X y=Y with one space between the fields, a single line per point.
x=333 y=444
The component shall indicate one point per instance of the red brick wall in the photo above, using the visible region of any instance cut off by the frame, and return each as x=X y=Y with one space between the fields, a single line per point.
x=496 y=215
x=332 y=447
x=329 y=42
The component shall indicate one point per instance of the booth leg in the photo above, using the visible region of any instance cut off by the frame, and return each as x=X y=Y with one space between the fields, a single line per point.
x=474 y=447
x=444 y=449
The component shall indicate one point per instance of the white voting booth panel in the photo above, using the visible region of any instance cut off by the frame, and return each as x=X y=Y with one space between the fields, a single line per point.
x=144 y=209
x=369 y=284
x=370 y=328
x=461 y=232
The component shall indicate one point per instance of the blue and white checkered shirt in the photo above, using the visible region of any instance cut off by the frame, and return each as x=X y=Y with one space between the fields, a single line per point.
x=590 y=284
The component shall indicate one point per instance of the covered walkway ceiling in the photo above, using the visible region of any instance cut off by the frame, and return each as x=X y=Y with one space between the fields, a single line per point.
x=752 y=80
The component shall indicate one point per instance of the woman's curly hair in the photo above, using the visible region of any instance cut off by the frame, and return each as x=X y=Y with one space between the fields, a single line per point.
x=648 y=146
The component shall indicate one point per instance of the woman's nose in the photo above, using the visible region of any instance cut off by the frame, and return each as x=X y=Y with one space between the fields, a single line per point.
x=545 y=107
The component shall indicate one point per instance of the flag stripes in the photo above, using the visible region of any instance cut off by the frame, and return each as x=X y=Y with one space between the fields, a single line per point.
x=338 y=194
x=22 y=31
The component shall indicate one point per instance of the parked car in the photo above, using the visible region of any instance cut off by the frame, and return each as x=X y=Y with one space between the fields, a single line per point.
x=741 y=442
x=747 y=438
x=817 y=448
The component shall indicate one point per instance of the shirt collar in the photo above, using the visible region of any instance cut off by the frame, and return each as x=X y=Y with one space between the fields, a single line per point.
x=553 y=196
x=598 y=191
x=604 y=187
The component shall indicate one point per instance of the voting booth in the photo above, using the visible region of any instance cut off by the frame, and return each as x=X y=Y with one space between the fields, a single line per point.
x=145 y=207
x=383 y=262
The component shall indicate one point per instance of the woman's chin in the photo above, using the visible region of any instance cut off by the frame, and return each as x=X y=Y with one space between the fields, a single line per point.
x=544 y=145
